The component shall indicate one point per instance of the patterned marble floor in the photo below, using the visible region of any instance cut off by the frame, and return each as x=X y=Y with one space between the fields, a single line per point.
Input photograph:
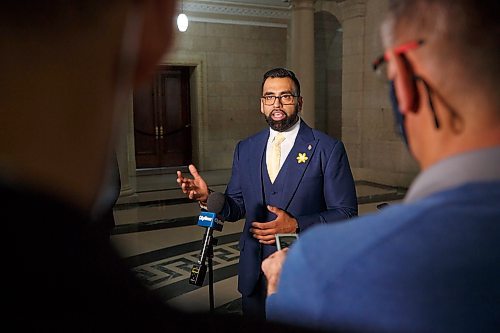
x=157 y=235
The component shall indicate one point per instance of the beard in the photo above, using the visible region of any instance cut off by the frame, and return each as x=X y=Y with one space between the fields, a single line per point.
x=285 y=123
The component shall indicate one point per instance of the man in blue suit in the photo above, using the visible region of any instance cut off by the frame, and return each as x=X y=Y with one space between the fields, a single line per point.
x=432 y=263
x=312 y=185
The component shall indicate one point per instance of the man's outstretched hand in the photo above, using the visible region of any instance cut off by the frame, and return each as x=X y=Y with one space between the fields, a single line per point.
x=195 y=188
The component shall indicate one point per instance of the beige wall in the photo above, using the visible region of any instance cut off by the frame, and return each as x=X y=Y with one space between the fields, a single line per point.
x=232 y=59
x=328 y=73
x=384 y=158
x=228 y=61
x=376 y=153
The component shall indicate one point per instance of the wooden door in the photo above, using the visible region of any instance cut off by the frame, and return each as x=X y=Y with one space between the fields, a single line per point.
x=162 y=120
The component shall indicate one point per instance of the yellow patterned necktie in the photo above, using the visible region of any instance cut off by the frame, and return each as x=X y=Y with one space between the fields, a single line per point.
x=274 y=164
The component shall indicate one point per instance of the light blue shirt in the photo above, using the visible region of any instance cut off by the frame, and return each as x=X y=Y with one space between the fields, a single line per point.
x=427 y=265
x=476 y=166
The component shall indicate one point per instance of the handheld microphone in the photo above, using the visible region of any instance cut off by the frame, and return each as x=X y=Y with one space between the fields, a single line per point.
x=211 y=221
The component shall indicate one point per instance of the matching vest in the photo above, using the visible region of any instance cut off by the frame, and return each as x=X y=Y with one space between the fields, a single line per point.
x=272 y=195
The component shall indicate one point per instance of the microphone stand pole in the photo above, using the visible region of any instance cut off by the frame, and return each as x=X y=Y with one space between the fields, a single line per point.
x=211 y=274
x=198 y=271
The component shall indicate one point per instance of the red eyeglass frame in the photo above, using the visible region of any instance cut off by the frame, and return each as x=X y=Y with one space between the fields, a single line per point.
x=400 y=49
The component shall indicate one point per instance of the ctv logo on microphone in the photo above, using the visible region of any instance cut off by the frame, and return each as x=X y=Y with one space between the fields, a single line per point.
x=209 y=220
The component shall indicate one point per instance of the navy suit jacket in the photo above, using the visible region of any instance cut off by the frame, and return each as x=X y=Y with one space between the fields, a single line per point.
x=321 y=190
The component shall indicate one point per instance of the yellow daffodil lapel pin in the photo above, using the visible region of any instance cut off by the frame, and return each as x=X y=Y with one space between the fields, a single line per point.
x=302 y=158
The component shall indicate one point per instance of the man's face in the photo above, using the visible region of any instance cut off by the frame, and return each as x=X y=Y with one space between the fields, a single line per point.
x=280 y=117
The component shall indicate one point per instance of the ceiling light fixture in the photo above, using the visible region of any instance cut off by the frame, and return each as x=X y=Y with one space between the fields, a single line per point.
x=182 y=19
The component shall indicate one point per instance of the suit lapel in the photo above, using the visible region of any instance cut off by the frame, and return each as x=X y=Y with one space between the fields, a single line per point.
x=297 y=162
x=255 y=161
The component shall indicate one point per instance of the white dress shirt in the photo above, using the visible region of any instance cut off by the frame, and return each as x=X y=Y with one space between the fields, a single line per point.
x=286 y=146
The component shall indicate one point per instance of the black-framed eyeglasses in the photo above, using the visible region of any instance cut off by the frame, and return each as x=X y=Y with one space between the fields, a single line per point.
x=378 y=67
x=285 y=99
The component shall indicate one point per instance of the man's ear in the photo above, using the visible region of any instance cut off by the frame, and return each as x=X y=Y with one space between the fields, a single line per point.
x=262 y=106
x=405 y=84
x=299 y=102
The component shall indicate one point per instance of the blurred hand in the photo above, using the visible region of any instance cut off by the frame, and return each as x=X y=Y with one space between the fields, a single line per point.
x=282 y=224
x=196 y=188
x=271 y=267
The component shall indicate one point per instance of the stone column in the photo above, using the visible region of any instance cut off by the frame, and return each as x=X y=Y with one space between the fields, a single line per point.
x=353 y=85
x=302 y=53
x=124 y=150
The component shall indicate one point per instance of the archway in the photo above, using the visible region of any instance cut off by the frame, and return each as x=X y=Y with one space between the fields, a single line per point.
x=328 y=73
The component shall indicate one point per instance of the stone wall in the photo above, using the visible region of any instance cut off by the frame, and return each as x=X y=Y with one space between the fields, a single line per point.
x=231 y=59
x=384 y=158
x=228 y=61
x=376 y=153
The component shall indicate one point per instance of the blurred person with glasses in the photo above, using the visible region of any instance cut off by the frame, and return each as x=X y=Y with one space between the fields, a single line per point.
x=311 y=184
x=431 y=263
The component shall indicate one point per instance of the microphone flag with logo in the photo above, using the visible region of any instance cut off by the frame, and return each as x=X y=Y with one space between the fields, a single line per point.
x=210 y=220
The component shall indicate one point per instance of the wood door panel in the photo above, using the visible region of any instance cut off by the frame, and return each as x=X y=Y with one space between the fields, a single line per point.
x=163 y=107
x=145 y=128
x=177 y=137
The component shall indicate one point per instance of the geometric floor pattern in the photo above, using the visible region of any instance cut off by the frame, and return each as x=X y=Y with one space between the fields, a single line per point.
x=167 y=271
x=161 y=241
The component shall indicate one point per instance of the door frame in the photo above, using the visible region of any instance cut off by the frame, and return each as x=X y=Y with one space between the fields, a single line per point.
x=198 y=102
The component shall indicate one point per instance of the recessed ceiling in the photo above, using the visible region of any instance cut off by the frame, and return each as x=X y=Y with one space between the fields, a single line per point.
x=277 y=3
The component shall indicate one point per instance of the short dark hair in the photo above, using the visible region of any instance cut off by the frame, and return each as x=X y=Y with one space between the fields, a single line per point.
x=282 y=72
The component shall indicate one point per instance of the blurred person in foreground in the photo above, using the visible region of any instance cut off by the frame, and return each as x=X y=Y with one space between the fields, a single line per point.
x=68 y=68
x=431 y=263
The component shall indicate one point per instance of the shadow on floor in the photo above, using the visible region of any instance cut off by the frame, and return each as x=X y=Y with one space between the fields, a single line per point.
x=233 y=307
